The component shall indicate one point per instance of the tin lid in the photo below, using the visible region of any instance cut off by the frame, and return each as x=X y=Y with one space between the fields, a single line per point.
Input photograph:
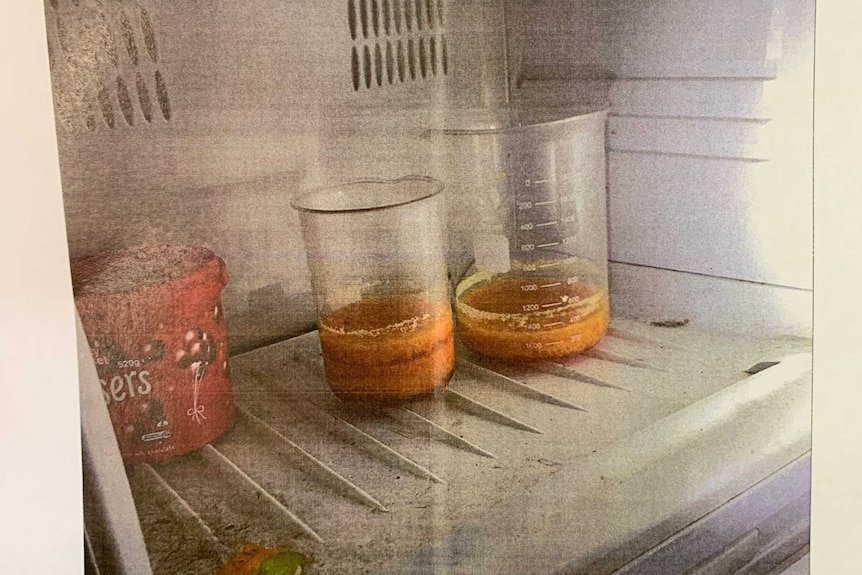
x=142 y=267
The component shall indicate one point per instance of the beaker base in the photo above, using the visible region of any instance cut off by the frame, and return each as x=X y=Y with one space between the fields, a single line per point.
x=376 y=398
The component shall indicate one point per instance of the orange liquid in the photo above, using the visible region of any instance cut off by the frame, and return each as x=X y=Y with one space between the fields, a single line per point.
x=388 y=348
x=499 y=319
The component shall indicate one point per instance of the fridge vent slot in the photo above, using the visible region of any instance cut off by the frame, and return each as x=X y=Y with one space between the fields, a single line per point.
x=387 y=21
x=351 y=18
x=104 y=56
x=129 y=38
x=162 y=94
x=408 y=14
x=375 y=17
x=390 y=63
x=125 y=102
x=396 y=13
x=411 y=58
x=363 y=17
x=354 y=66
x=144 y=98
x=149 y=36
x=366 y=66
x=396 y=41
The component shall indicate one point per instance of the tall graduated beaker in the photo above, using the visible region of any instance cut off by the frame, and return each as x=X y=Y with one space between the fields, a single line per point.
x=531 y=205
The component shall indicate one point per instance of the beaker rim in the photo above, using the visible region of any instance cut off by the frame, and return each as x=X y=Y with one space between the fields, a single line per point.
x=305 y=201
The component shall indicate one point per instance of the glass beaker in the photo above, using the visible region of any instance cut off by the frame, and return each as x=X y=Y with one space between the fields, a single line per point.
x=533 y=206
x=376 y=254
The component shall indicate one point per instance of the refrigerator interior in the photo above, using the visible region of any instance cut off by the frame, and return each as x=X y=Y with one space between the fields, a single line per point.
x=186 y=122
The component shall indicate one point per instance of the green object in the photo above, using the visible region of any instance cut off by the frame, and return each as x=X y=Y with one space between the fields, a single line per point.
x=283 y=563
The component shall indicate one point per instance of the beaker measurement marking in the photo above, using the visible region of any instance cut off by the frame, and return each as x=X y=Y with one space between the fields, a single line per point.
x=557 y=304
x=546 y=224
x=553 y=265
x=548 y=245
x=546 y=203
x=556 y=323
x=538 y=345
x=528 y=183
x=551 y=285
